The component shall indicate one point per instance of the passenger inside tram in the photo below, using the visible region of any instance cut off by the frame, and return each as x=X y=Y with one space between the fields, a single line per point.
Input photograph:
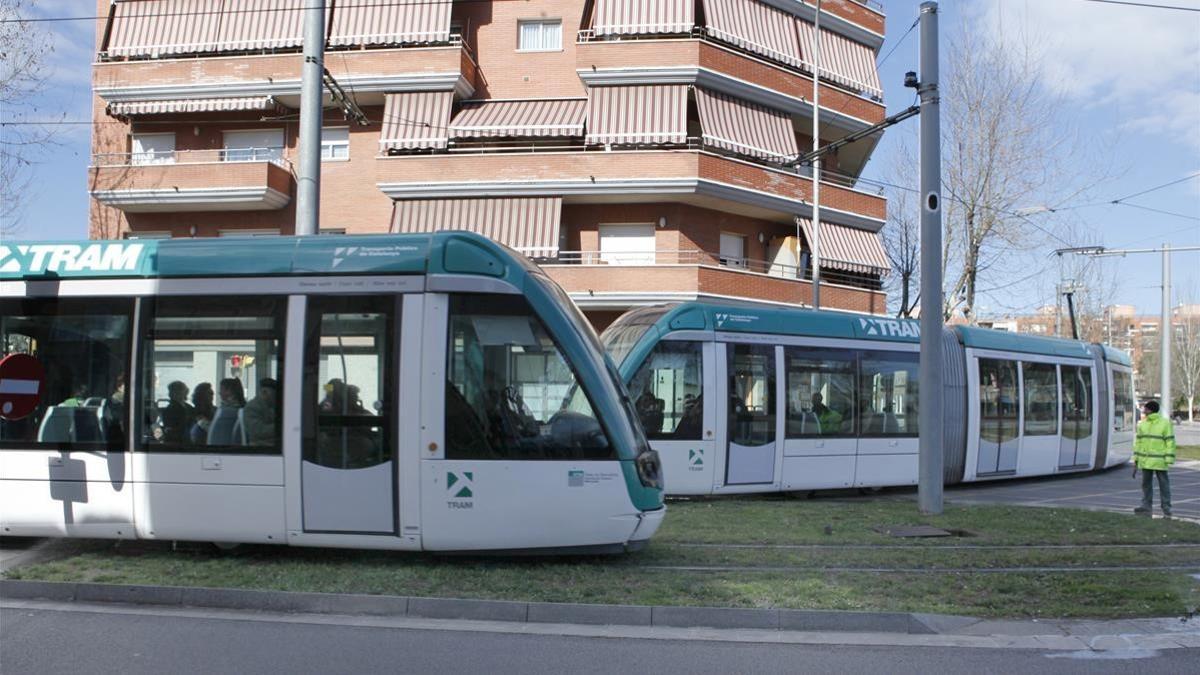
x=178 y=416
x=259 y=413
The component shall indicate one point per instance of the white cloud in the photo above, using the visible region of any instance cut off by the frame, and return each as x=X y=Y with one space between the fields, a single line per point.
x=1142 y=63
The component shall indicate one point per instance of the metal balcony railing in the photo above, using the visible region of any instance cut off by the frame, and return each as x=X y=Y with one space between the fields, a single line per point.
x=273 y=155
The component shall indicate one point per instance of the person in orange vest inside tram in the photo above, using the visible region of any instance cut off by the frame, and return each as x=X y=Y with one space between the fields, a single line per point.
x=1154 y=453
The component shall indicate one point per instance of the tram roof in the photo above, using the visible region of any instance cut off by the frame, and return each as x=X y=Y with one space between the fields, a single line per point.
x=1114 y=355
x=999 y=340
x=441 y=252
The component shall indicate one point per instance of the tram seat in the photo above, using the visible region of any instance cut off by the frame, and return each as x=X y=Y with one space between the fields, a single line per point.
x=809 y=423
x=94 y=402
x=57 y=425
x=89 y=425
x=227 y=427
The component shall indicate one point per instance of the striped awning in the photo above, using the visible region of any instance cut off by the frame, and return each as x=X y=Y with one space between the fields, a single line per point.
x=842 y=60
x=415 y=120
x=193 y=105
x=637 y=114
x=527 y=118
x=262 y=24
x=528 y=224
x=163 y=27
x=643 y=17
x=745 y=128
x=370 y=22
x=755 y=26
x=848 y=248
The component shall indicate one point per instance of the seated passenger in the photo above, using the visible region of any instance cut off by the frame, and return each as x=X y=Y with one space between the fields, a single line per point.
x=203 y=409
x=178 y=416
x=232 y=393
x=260 y=412
x=830 y=419
x=78 y=397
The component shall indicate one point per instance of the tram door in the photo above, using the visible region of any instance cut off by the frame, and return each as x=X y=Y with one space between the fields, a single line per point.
x=1077 y=400
x=348 y=472
x=751 y=431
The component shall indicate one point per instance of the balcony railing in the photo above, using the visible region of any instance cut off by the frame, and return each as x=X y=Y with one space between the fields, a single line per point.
x=273 y=155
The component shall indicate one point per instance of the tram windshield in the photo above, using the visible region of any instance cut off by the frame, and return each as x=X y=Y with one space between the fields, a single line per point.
x=620 y=338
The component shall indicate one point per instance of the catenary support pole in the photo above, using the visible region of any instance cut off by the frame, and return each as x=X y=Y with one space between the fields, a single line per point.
x=1165 y=333
x=308 y=182
x=816 y=165
x=931 y=411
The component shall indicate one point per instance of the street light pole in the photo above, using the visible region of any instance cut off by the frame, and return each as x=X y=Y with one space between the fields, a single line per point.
x=308 y=180
x=816 y=165
x=931 y=409
x=1165 y=338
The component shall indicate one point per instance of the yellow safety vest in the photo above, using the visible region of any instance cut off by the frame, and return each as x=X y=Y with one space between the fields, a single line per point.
x=1154 y=449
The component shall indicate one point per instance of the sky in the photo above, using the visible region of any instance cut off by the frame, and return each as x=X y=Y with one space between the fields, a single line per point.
x=1127 y=79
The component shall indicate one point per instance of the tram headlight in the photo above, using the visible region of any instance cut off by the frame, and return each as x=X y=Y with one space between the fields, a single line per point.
x=649 y=468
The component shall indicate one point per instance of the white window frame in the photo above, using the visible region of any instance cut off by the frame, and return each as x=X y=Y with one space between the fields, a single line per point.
x=274 y=153
x=248 y=232
x=626 y=257
x=521 y=23
x=332 y=145
x=153 y=156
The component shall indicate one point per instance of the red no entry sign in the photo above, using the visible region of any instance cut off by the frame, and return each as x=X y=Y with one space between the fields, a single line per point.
x=22 y=379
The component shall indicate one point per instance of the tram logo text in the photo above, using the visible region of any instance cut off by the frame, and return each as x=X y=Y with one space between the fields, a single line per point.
x=890 y=328
x=459 y=485
x=36 y=258
x=696 y=460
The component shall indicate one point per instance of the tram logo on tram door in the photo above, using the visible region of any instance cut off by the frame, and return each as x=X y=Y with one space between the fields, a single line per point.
x=22 y=379
x=459 y=485
x=696 y=459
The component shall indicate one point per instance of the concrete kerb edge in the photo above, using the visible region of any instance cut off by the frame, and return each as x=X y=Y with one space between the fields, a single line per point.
x=488 y=610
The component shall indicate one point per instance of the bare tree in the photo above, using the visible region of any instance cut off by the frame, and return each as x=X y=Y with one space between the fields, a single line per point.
x=902 y=235
x=1006 y=144
x=1186 y=351
x=24 y=52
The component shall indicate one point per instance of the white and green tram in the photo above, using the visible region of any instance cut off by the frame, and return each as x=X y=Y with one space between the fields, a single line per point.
x=744 y=398
x=406 y=392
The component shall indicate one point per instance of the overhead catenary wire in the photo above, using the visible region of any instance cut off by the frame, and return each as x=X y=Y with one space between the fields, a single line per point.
x=1145 y=5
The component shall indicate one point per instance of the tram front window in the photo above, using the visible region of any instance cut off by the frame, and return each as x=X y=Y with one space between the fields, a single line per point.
x=507 y=383
x=668 y=392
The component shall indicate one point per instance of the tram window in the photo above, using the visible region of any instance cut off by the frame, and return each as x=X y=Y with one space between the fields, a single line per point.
x=751 y=394
x=1123 y=408
x=210 y=375
x=998 y=400
x=820 y=392
x=347 y=374
x=888 y=399
x=1077 y=402
x=668 y=392
x=507 y=387
x=1041 y=399
x=84 y=347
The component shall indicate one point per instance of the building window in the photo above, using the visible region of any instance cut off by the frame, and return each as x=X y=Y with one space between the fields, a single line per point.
x=257 y=145
x=332 y=230
x=152 y=149
x=539 y=36
x=155 y=234
x=627 y=244
x=733 y=250
x=335 y=143
x=247 y=232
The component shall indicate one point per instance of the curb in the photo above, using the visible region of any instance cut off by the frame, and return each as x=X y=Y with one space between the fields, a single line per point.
x=484 y=610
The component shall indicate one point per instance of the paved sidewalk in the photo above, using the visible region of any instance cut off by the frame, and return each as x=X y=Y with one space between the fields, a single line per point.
x=1111 y=490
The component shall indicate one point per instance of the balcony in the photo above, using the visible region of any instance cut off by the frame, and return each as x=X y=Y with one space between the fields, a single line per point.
x=613 y=281
x=691 y=174
x=369 y=73
x=241 y=179
x=700 y=60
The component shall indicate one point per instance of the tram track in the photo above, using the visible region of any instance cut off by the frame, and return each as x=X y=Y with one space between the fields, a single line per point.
x=921 y=547
x=793 y=569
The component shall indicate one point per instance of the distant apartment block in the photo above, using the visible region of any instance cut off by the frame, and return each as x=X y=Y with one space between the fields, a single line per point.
x=637 y=149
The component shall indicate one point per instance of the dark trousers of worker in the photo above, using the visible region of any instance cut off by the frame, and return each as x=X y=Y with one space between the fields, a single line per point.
x=1164 y=489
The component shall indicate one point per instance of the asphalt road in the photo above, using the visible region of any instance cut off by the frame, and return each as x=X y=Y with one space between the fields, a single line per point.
x=86 y=640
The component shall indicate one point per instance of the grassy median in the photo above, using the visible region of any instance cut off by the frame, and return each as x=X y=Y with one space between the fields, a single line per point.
x=771 y=552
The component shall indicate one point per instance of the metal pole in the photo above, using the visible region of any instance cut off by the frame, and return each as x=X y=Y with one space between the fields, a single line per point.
x=308 y=182
x=816 y=166
x=1058 y=291
x=1165 y=337
x=931 y=411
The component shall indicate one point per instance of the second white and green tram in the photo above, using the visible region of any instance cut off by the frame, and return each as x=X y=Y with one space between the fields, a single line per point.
x=740 y=399
x=406 y=392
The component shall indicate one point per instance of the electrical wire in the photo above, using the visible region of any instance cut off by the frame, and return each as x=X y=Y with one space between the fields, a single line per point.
x=1146 y=5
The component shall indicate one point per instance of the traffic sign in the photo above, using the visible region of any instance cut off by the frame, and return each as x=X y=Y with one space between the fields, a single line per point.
x=22 y=380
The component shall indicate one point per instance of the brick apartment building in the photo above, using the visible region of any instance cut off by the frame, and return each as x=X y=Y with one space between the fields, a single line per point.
x=635 y=148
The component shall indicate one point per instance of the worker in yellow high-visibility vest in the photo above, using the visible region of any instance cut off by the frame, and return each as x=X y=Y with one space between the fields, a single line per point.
x=1154 y=453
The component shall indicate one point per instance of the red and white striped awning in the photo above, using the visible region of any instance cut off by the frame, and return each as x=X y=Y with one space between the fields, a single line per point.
x=643 y=17
x=842 y=60
x=755 y=26
x=371 y=22
x=163 y=27
x=527 y=224
x=848 y=248
x=637 y=114
x=415 y=120
x=745 y=128
x=192 y=105
x=526 y=118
